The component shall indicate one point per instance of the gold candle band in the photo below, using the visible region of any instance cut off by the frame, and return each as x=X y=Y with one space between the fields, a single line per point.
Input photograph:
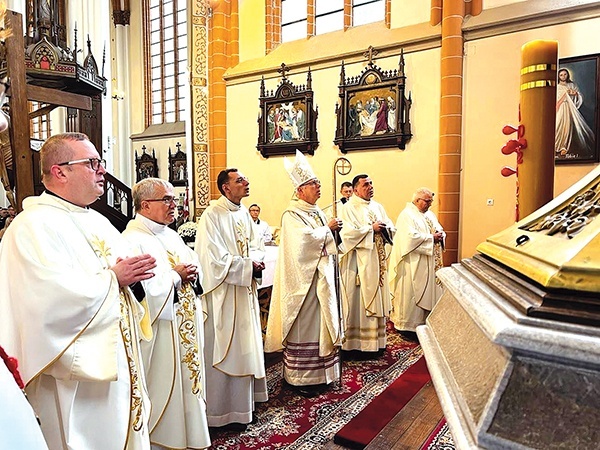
x=537 y=84
x=537 y=68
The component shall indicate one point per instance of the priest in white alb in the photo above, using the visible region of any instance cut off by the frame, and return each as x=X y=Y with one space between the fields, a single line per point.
x=68 y=315
x=304 y=319
x=231 y=258
x=416 y=257
x=173 y=359
x=363 y=268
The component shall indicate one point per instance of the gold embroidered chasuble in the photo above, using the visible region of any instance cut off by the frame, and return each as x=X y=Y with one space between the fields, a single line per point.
x=227 y=245
x=304 y=273
x=413 y=266
x=74 y=331
x=173 y=359
x=363 y=272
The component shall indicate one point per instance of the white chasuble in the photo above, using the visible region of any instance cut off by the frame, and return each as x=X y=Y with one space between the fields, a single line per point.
x=304 y=315
x=412 y=268
x=363 y=273
x=173 y=359
x=227 y=245
x=75 y=333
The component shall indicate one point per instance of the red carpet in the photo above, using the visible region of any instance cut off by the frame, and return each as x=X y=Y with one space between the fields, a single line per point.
x=293 y=422
x=371 y=420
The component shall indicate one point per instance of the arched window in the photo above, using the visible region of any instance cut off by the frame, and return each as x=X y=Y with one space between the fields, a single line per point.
x=165 y=34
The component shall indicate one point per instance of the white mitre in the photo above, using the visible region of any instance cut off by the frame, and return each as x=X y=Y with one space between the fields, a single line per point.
x=299 y=171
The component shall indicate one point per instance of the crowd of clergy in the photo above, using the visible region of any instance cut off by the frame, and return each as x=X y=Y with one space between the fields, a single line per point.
x=134 y=340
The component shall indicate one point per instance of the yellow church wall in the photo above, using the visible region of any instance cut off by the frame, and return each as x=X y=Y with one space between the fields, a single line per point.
x=252 y=29
x=407 y=13
x=491 y=101
x=395 y=173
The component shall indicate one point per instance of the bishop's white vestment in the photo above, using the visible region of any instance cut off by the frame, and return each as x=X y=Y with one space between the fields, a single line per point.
x=173 y=359
x=304 y=316
x=363 y=272
x=235 y=366
x=413 y=284
x=73 y=330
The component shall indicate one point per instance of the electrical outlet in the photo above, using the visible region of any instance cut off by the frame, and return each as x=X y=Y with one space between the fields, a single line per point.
x=490 y=202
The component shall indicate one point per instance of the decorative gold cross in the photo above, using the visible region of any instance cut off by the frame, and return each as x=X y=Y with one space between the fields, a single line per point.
x=283 y=70
x=343 y=166
x=370 y=53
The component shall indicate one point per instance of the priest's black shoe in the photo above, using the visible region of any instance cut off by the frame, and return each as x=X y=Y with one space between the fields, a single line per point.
x=235 y=426
x=308 y=391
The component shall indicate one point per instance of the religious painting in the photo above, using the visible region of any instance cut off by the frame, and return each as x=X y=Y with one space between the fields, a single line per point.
x=178 y=167
x=287 y=120
x=577 y=99
x=146 y=165
x=372 y=111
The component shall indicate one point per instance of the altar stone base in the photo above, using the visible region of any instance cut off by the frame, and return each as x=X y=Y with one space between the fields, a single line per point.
x=506 y=380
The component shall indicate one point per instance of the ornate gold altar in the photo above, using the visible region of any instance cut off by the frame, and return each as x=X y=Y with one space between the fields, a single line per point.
x=513 y=345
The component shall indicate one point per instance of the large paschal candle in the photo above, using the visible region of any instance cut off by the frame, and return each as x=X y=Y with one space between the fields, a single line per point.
x=538 y=116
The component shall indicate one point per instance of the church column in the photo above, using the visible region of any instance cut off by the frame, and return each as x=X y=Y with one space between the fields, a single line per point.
x=198 y=61
x=451 y=13
x=119 y=90
x=223 y=53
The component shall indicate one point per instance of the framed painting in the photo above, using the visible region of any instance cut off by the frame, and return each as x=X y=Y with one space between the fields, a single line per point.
x=287 y=120
x=577 y=99
x=178 y=167
x=146 y=165
x=373 y=111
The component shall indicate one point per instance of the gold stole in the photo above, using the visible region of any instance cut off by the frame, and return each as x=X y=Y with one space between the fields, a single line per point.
x=380 y=247
x=102 y=251
x=437 y=250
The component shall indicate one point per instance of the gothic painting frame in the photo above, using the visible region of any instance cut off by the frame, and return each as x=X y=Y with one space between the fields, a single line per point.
x=287 y=120
x=372 y=110
x=577 y=111
x=146 y=166
x=178 y=174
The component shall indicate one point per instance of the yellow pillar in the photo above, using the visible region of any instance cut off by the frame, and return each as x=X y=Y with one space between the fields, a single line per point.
x=451 y=14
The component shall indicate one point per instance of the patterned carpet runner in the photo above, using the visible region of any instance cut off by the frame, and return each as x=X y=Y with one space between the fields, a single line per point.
x=291 y=421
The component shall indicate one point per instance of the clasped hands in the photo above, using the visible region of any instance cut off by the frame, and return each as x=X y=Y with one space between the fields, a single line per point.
x=379 y=226
x=438 y=237
x=187 y=272
x=133 y=269
x=257 y=268
x=335 y=224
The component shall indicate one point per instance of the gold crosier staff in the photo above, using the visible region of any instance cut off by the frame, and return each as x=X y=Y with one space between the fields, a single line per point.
x=343 y=167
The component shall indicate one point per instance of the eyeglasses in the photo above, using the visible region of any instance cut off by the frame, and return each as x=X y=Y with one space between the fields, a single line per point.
x=95 y=163
x=167 y=199
x=426 y=200
x=241 y=180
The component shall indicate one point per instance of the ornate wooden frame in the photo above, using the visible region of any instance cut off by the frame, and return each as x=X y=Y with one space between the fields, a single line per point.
x=178 y=174
x=145 y=166
x=287 y=119
x=364 y=119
